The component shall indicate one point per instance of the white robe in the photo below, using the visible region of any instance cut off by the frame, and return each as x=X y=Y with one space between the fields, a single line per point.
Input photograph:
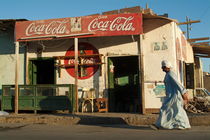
x=172 y=114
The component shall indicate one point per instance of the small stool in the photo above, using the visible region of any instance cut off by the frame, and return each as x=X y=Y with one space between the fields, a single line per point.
x=102 y=104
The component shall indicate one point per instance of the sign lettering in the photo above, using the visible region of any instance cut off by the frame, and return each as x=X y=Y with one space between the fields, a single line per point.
x=89 y=26
x=117 y=24
x=54 y=27
x=88 y=61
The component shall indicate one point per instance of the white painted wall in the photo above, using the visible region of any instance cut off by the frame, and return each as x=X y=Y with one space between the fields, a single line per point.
x=185 y=47
x=186 y=54
x=159 y=32
x=153 y=74
x=7 y=69
x=152 y=59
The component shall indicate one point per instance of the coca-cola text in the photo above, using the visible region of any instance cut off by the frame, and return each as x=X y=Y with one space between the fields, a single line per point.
x=52 y=28
x=117 y=24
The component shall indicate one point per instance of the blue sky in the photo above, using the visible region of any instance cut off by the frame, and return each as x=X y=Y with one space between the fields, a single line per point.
x=177 y=9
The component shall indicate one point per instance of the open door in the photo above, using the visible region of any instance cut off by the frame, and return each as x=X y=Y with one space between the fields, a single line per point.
x=42 y=71
x=123 y=77
x=189 y=75
x=111 y=97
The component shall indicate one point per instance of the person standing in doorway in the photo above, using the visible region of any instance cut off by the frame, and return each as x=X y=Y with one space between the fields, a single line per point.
x=172 y=113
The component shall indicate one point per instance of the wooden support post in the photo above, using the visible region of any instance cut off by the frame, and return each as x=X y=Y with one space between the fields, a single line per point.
x=189 y=22
x=16 y=76
x=76 y=71
x=198 y=39
x=141 y=74
x=59 y=67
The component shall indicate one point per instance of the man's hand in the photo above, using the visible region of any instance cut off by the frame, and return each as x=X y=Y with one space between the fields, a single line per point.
x=185 y=97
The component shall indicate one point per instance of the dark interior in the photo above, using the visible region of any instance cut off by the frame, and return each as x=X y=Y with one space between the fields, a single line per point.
x=126 y=95
x=44 y=71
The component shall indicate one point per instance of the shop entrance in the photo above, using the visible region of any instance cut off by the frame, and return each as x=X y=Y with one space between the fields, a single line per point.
x=124 y=90
x=42 y=71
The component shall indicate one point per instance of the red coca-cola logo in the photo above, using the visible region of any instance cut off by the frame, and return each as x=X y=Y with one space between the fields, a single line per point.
x=51 y=28
x=88 y=26
x=87 y=62
x=101 y=23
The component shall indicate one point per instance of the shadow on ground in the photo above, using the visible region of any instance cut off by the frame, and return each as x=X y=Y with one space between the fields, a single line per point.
x=113 y=122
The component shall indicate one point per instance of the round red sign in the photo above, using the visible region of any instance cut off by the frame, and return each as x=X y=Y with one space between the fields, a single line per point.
x=88 y=60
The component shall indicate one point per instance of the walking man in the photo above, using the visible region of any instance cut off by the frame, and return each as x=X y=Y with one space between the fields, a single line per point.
x=172 y=113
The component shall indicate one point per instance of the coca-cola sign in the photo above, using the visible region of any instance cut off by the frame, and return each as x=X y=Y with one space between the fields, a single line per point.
x=41 y=29
x=52 y=28
x=117 y=24
x=111 y=25
x=88 y=26
x=89 y=60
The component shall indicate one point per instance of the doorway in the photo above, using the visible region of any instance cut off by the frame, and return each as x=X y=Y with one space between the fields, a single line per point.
x=42 y=71
x=123 y=82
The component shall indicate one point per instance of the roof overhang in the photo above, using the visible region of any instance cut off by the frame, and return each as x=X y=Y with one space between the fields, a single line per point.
x=200 y=47
x=154 y=16
x=202 y=51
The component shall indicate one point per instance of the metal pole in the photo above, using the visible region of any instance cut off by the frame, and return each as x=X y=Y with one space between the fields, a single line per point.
x=76 y=71
x=16 y=76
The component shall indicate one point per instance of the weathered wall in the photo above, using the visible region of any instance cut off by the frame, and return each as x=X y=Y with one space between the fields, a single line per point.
x=158 y=44
x=184 y=54
x=7 y=59
x=163 y=40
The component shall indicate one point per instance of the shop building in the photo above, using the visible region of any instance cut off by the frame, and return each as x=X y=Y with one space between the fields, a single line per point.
x=117 y=55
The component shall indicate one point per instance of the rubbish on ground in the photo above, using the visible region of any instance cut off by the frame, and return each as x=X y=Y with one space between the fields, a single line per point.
x=197 y=105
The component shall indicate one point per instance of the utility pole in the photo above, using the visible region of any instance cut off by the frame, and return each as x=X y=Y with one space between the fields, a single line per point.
x=188 y=23
x=188 y=27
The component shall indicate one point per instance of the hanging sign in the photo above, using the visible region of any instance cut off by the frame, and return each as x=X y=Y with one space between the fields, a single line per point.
x=87 y=26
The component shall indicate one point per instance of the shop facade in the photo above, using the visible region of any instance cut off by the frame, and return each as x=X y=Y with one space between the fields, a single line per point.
x=119 y=56
x=106 y=51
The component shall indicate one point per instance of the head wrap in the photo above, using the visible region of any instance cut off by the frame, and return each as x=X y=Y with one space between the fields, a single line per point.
x=166 y=64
